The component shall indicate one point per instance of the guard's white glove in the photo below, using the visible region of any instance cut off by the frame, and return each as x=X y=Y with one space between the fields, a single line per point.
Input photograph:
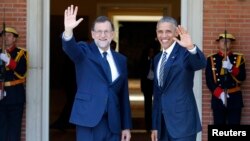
x=5 y=58
x=227 y=64
x=223 y=98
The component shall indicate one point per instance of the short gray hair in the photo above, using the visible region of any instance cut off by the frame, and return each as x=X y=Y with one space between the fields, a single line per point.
x=168 y=20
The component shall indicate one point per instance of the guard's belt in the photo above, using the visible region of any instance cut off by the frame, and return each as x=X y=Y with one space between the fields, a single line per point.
x=232 y=90
x=14 y=82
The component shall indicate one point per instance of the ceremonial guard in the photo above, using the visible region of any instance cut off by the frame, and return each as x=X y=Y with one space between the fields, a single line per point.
x=225 y=73
x=13 y=75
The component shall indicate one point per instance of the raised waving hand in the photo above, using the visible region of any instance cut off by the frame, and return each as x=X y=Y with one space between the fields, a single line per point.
x=185 y=38
x=70 y=21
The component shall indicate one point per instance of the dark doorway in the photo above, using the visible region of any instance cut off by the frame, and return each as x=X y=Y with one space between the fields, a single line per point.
x=134 y=39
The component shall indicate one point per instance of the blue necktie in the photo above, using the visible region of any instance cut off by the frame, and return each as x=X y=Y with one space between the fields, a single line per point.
x=107 y=67
x=162 y=66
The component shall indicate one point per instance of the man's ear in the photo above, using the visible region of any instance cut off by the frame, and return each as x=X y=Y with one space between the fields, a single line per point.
x=92 y=34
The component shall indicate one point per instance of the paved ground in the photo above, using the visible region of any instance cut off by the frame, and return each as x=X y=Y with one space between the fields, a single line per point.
x=69 y=135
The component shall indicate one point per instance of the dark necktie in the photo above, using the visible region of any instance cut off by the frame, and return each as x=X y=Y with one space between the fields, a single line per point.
x=162 y=66
x=107 y=67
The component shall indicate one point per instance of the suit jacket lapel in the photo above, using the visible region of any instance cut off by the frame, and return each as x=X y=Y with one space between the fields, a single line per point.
x=169 y=64
x=95 y=54
x=97 y=58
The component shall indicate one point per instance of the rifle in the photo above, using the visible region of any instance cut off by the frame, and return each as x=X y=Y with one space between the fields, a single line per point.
x=225 y=70
x=2 y=64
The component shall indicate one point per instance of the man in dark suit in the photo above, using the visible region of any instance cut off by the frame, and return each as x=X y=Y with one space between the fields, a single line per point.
x=225 y=72
x=13 y=77
x=101 y=110
x=175 y=113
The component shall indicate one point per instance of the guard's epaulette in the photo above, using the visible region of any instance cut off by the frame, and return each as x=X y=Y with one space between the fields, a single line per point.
x=237 y=53
x=211 y=54
x=22 y=48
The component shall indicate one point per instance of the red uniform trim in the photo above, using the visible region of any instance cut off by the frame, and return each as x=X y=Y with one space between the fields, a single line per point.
x=12 y=64
x=235 y=71
x=218 y=91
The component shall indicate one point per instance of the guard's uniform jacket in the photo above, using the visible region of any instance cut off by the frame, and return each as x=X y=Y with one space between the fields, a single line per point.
x=15 y=76
x=216 y=81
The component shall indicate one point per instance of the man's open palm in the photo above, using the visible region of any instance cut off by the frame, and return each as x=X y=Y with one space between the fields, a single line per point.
x=70 y=21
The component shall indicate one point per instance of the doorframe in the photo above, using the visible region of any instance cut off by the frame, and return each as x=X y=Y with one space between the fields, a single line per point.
x=192 y=19
x=37 y=86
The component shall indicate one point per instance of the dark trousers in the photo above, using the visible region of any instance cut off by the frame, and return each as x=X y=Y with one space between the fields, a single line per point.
x=227 y=116
x=165 y=136
x=101 y=132
x=11 y=122
x=148 y=110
